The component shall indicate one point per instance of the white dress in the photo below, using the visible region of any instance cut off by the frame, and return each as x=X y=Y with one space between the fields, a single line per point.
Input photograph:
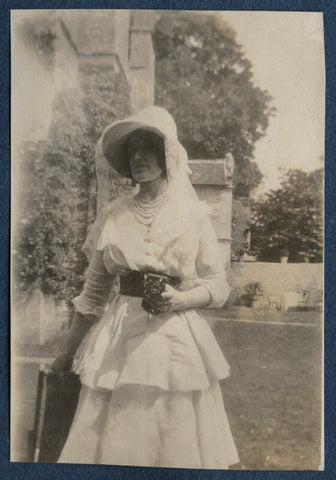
x=150 y=394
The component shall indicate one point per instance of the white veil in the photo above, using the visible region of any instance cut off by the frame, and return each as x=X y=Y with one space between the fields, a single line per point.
x=155 y=119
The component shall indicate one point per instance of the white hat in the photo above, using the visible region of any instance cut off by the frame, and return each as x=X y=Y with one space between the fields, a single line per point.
x=115 y=137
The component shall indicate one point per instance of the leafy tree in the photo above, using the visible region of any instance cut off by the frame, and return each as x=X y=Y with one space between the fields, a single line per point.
x=203 y=78
x=291 y=218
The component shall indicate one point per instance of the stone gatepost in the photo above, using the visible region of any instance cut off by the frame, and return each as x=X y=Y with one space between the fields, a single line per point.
x=212 y=180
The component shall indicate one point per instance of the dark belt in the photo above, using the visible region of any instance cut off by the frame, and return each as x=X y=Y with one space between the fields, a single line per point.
x=149 y=286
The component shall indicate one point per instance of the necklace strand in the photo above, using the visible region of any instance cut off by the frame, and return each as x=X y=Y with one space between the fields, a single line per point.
x=146 y=211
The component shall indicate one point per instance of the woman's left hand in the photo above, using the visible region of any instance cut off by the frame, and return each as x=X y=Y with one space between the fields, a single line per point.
x=173 y=299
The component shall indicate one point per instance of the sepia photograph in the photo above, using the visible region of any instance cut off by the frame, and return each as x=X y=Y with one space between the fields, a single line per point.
x=167 y=185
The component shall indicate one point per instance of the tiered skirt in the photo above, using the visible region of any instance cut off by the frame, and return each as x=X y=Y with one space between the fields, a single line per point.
x=150 y=394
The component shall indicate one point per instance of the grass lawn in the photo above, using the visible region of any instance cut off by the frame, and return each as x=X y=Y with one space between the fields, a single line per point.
x=272 y=397
x=263 y=315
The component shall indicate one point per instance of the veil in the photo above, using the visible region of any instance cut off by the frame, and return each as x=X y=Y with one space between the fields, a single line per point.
x=109 y=156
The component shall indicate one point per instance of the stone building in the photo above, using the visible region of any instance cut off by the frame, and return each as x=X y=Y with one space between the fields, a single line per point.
x=121 y=39
x=105 y=48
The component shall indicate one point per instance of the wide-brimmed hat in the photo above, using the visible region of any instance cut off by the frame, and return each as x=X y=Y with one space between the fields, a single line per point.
x=116 y=136
x=112 y=146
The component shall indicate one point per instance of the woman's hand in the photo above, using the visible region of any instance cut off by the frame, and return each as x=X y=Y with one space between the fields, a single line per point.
x=195 y=298
x=173 y=299
x=62 y=363
x=73 y=338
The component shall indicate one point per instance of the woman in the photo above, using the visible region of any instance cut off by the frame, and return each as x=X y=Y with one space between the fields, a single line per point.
x=150 y=365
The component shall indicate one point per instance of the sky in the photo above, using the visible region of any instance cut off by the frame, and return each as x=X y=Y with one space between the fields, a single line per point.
x=286 y=50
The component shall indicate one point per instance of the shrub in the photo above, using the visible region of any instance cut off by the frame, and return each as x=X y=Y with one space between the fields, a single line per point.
x=250 y=294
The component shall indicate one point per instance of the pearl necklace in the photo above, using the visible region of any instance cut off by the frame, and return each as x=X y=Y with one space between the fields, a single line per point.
x=146 y=211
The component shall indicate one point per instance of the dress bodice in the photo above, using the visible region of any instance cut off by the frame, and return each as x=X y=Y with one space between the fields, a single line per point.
x=178 y=243
x=173 y=351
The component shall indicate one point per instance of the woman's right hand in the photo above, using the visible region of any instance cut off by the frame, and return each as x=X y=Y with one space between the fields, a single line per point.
x=62 y=363
x=74 y=336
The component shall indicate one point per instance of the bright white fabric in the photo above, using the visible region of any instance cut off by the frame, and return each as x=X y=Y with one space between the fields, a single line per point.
x=181 y=243
x=173 y=351
x=147 y=426
x=97 y=289
x=150 y=392
x=158 y=120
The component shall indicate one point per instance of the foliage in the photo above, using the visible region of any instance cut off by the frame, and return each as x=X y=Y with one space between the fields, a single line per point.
x=205 y=81
x=106 y=96
x=291 y=218
x=241 y=221
x=56 y=178
x=250 y=294
x=47 y=245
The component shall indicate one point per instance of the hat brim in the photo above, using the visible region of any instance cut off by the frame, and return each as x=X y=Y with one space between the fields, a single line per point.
x=114 y=142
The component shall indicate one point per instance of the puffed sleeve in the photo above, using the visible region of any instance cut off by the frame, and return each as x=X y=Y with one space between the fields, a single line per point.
x=97 y=289
x=209 y=266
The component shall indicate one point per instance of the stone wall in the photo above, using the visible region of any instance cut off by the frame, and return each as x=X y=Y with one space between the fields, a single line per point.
x=141 y=62
x=39 y=319
x=98 y=32
x=277 y=279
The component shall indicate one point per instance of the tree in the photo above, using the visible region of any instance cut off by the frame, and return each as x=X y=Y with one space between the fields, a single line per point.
x=203 y=78
x=291 y=218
